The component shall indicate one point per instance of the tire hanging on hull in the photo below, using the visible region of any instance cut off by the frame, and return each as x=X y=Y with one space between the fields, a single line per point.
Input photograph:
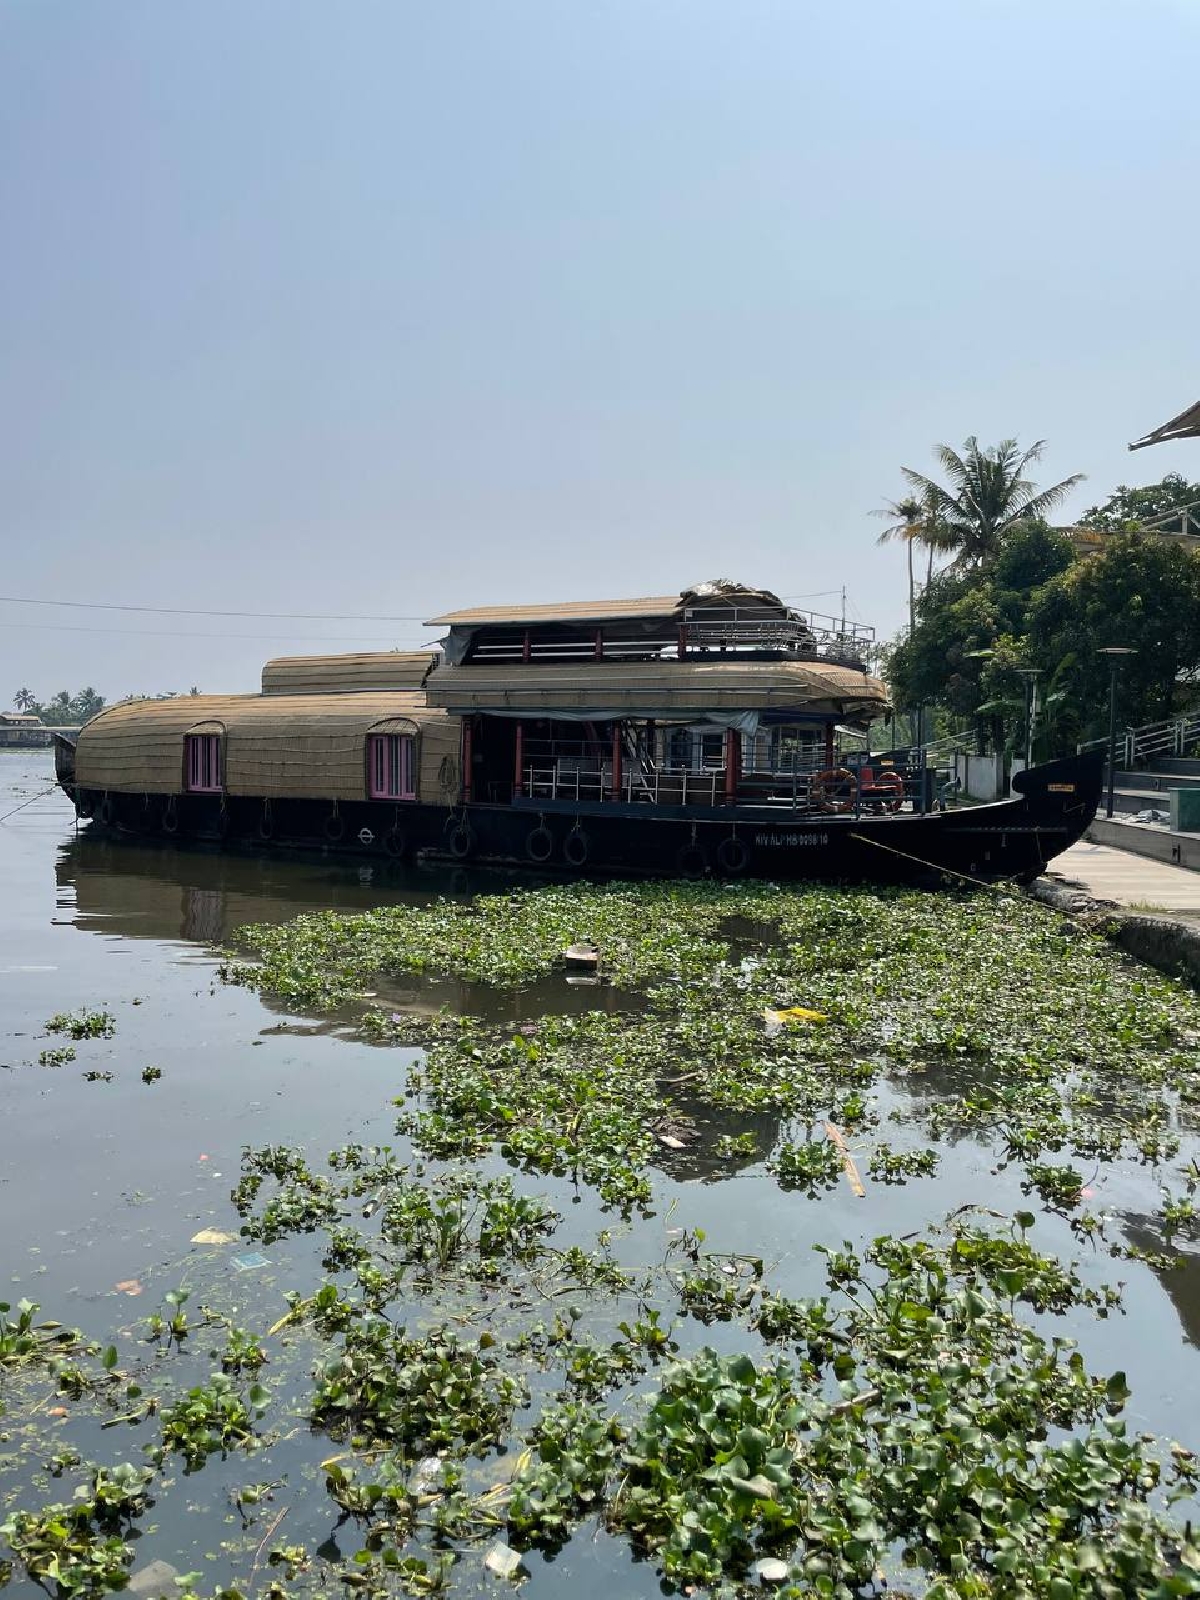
x=539 y=845
x=732 y=856
x=576 y=848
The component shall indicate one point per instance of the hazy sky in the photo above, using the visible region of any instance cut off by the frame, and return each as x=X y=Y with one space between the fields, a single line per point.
x=382 y=307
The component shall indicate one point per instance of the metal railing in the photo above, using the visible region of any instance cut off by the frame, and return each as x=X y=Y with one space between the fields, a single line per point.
x=698 y=631
x=802 y=791
x=1171 y=737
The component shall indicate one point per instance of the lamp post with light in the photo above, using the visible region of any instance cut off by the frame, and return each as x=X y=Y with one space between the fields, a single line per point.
x=1115 y=653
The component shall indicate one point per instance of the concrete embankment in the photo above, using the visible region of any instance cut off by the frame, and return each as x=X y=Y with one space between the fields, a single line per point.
x=1147 y=908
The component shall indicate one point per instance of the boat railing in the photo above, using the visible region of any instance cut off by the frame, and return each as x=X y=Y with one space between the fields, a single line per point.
x=698 y=631
x=801 y=790
x=810 y=633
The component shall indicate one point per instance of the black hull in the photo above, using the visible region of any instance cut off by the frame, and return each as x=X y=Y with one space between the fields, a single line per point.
x=1010 y=839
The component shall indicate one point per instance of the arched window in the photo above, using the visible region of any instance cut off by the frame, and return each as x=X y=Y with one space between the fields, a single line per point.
x=392 y=760
x=204 y=758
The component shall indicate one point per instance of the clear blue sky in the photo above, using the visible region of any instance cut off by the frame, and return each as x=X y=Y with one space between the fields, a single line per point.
x=385 y=306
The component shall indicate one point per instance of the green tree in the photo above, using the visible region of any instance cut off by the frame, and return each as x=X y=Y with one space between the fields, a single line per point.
x=86 y=704
x=965 y=654
x=1128 y=508
x=986 y=495
x=24 y=700
x=904 y=523
x=915 y=521
x=1142 y=592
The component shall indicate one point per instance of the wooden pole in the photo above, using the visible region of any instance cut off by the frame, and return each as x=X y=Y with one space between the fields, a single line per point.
x=616 y=762
x=466 y=761
x=519 y=762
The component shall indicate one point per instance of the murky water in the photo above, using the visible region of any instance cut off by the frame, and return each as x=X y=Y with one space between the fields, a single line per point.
x=104 y=1183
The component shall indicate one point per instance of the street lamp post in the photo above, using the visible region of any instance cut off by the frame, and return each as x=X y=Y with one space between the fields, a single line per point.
x=1115 y=654
x=1030 y=675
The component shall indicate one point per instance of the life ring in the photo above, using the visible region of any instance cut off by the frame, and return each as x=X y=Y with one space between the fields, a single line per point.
x=833 y=789
x=539 y=846
x=461 y=841
x=893 y=799
x=366 y=837
x=691 y=862
x=169 y=821
x=394 y=843
x=104 y=814
x=266 y=823
x=576 y=848
x=732 y=856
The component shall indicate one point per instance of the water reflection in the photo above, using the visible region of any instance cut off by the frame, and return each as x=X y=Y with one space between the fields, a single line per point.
x=1181 y=1282
x=201 y=896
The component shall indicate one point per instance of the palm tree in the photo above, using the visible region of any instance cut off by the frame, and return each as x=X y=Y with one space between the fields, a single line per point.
x=987 y=495
x=24 y=700
x=905 y=524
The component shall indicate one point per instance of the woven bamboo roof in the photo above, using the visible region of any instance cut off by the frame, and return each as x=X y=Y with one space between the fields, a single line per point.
x=346 y=674
x=659 y=688
x=1185 y=426
x=195 y=712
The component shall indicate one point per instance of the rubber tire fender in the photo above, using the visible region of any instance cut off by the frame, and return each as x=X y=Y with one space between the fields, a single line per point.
x=539 y=846
x=691 y=861
x=733 y=857
x=576 y=848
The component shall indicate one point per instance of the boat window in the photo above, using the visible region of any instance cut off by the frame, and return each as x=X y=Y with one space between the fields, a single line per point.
x=392 y=766
x=203 y=762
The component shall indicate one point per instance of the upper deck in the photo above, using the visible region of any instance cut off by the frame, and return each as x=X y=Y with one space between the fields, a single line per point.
x=711 y=621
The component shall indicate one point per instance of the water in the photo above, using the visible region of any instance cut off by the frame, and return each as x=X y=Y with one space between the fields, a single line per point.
x=105 y=1183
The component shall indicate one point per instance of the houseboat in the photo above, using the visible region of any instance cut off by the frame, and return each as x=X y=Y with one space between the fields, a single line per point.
x=680 y=735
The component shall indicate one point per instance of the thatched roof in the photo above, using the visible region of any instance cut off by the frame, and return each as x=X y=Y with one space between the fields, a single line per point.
x=1185 y=426
x=366 y=669
x=660 y=688
x=306 y=746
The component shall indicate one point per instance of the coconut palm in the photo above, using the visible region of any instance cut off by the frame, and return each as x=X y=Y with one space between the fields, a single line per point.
x=905 y=524
x=24 y=700
x=986 y=493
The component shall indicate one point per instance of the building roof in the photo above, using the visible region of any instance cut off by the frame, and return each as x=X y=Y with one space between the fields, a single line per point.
x=716 y=592
x=1185 y=426
x=563 y=611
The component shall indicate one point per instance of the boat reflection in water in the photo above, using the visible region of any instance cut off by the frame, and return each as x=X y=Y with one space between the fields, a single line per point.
x=200 y=897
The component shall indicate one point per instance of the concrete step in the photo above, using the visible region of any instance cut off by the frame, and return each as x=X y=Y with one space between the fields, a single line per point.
x=1129 y=801
x=1179 y=766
